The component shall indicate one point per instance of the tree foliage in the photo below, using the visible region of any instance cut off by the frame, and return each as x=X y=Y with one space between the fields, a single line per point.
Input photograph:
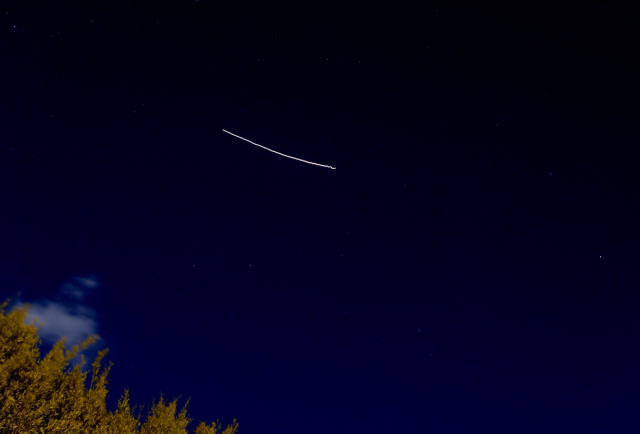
x=49 y=395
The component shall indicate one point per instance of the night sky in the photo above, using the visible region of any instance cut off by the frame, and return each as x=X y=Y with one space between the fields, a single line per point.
x=471 y=265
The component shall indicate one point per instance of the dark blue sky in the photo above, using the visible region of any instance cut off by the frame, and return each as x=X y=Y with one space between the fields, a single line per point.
x=470 y=266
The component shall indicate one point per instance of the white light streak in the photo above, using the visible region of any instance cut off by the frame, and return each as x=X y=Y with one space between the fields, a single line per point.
x=276 y=152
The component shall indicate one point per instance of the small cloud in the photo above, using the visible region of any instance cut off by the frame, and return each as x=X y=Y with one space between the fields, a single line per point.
x=66 y=317
x=87 y=282
x=73 y=291
x=78 y=287
x=56 y=321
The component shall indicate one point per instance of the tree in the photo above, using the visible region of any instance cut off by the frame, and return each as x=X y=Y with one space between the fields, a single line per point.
x=49 y=395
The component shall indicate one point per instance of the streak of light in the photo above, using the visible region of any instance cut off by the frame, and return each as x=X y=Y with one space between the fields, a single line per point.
x=276 y=152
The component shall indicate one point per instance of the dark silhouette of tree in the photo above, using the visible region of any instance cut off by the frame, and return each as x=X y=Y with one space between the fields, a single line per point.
x=49 y=395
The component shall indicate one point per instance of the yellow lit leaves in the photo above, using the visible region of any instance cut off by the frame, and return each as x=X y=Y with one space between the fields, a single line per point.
x=48 y=395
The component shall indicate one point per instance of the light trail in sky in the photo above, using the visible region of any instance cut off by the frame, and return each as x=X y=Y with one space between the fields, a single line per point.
x=276 y=152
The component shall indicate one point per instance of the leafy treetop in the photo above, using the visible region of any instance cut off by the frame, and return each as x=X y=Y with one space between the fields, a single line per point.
x=50 y=396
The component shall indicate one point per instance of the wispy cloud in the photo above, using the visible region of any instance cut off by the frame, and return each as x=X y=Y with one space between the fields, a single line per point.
x=67 y=316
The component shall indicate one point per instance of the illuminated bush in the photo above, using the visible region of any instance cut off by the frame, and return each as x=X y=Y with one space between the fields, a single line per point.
x=50 y=396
